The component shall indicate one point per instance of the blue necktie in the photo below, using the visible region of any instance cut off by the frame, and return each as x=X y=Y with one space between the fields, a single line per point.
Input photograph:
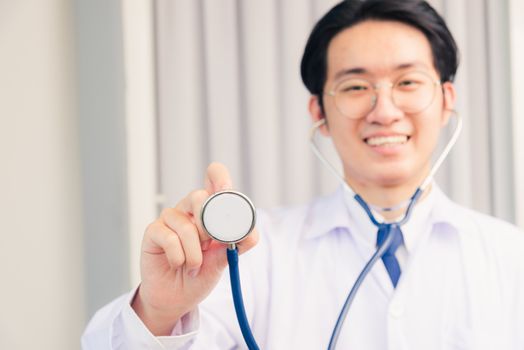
x=389 y=258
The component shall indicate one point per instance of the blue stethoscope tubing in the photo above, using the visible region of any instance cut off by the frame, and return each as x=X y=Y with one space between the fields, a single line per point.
x=236 y=289
x=232 y=252
x=367 y=268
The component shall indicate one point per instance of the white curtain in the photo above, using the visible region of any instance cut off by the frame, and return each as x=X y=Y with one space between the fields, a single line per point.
x=229 y=89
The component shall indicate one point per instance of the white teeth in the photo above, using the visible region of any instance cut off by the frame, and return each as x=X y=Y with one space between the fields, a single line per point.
x=387 y=140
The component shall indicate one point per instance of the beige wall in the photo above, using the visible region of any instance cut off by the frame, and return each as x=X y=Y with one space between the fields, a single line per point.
x=41 y=258
x=517 y=57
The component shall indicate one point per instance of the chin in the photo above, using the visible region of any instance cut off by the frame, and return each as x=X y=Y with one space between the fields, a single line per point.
x=387 y=175
x=391 y=181
x=392 y=177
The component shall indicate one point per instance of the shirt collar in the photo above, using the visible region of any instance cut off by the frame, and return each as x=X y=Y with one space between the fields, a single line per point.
x=365 y=230
x=341 y=210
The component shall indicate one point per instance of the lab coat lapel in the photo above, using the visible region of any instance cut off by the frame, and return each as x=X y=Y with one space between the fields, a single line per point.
x=481 y=273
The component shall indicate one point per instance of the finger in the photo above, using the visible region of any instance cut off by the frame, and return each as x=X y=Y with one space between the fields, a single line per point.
x=249 y=242
x=217 y=178
x=197 y=201
x=190 y=237
x=192 y=206
x=169 y=243
x=188 y=234
x=216 y=257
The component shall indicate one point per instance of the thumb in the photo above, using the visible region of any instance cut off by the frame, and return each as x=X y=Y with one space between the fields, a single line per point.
x=215 y=258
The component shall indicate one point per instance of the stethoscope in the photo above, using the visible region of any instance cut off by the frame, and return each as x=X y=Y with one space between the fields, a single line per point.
x=229 y=216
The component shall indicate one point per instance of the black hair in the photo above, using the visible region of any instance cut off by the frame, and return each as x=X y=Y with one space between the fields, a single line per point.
x=416 y=13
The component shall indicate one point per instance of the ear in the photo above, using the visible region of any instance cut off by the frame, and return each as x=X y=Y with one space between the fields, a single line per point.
x=450 y=96
x=316 y=114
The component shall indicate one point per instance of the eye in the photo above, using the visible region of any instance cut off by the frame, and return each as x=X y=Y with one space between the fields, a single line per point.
x=413 y=81
x=409 y=84
x=353 y=87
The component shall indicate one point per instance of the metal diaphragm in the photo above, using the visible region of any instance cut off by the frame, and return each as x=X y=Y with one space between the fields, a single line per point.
x=228 y=216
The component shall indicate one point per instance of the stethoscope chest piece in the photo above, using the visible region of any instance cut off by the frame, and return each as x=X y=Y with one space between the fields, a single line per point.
x=228 y=216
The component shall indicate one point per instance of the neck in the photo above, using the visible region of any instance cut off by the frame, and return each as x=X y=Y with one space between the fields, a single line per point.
x=388 y=196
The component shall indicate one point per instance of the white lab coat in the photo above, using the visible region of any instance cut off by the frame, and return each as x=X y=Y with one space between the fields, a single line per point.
x=462 y=286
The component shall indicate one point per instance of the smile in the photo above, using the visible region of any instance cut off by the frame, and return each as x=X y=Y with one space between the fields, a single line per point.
x=387 y=140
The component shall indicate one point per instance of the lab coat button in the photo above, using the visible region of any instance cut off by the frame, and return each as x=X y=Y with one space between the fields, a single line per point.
x=396 y=310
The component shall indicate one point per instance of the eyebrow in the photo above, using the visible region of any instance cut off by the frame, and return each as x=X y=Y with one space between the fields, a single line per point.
x=360 y=70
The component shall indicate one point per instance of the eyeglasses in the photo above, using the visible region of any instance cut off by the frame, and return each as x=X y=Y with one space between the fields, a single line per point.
x=412 y=92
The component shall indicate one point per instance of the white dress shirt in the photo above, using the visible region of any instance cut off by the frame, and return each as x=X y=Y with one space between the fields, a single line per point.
x=461 y=287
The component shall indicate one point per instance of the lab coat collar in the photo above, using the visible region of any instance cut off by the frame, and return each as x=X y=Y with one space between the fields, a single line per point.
x=419 y=221
x=327 y=214
x=447 y=212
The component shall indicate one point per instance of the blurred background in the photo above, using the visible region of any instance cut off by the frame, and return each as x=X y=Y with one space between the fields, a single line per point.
x=111 y=110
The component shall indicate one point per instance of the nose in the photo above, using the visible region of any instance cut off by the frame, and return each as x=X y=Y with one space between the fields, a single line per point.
x=384 y=111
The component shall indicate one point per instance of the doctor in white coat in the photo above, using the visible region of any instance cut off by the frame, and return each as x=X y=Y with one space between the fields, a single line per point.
x=381 y=75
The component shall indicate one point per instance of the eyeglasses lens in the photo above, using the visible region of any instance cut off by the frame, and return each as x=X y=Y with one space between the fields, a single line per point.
x=412 y=93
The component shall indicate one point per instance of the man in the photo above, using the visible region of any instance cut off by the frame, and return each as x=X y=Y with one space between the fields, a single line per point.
x=381 y=76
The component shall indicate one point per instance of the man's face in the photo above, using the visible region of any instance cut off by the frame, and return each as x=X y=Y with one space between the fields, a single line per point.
x=387 y=146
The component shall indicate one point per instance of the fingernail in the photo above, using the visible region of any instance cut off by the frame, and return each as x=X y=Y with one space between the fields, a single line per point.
x=226 y=187
x=193 y=273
